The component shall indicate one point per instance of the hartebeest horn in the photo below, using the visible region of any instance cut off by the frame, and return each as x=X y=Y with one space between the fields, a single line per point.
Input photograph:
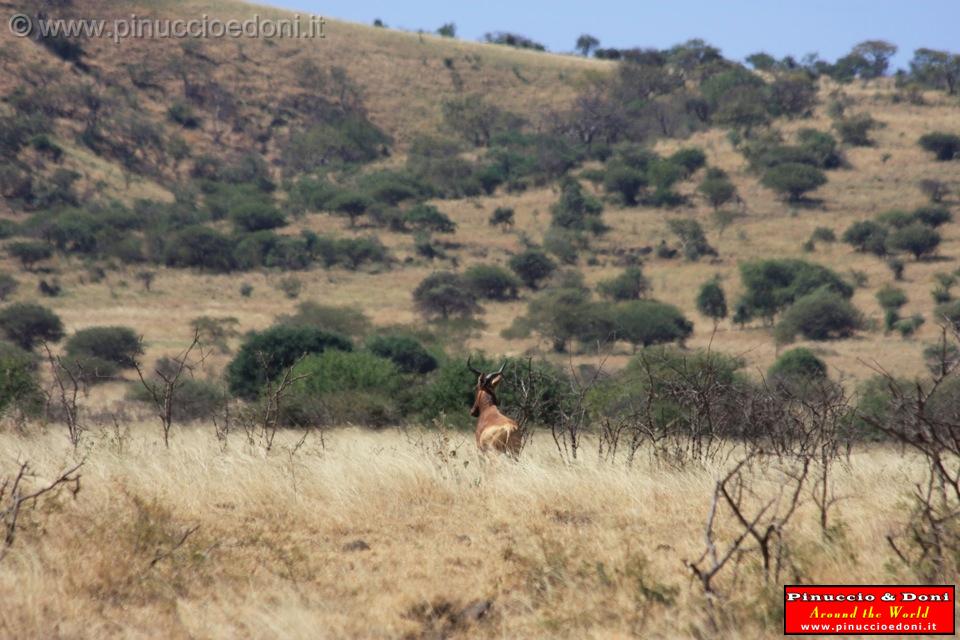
x=502 y=366
x=469 y=366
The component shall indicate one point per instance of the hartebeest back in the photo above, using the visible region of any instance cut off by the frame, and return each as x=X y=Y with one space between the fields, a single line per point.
x=494 y=430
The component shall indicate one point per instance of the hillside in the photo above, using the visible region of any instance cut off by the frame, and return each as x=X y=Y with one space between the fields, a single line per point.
x=246 y=95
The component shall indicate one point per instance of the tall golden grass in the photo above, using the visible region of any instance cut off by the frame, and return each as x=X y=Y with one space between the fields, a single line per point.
x=402 y=534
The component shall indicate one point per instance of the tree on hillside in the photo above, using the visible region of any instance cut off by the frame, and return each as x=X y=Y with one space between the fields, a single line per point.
x=793 y=179
x=532 y=266
x=876 y=54
x=712 y=302
x=445 y=294
x=936 y=69
x=447 y=30
x=945 y=146
x=916 y=238
x=587 y=43
x=761 y=61
x=26 y=325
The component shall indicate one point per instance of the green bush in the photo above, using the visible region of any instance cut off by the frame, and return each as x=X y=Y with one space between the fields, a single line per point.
x=717 y=190
x=945 y=146
x=692 y=238
x=916 y=238
x=347 y=321
x=950 y=312
x=797 y=364
x=823 y=234
x=532 y=267
x=577 y=210
x=793 y=180
x=821 y=315
x=647 y=322
x=711 y=300
x=350 y=204
x=564 y=244
x=201 y=247
x=891 y=297
x=690 y=158
x=492 y=282
x=932 y=215
x=256 y=217
x=30 y=252
x=625 y=181
x=444 y=294
x=867 y=236
x=393 y=187
x=855 y=130
x=193 y=399
x=19 y=383
x=26 y=324
x=8 y=284
x=118 y=345
x=311 y=194
x=631 y=284
x=265 y=355
x=344 y=388
x=770 y=285
x=906 y=327
x=427 y=218
x=404 y=351
x=502 y=217
x=183 y=114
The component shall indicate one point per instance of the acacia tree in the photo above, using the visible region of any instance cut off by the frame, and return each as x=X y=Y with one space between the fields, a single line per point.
x=445 y=294
x=712 y=302
x=876 y=55
x=587 y=43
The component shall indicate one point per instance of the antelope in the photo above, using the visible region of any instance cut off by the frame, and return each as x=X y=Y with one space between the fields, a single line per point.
x=494 y=430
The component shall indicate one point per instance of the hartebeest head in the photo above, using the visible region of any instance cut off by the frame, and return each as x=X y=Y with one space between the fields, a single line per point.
x=486 y=383
x=495 y=431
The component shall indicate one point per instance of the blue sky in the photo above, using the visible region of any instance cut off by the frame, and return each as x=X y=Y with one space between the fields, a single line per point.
x=738 y=27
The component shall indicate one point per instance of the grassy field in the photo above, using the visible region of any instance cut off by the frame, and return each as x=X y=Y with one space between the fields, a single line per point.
x=402 y=534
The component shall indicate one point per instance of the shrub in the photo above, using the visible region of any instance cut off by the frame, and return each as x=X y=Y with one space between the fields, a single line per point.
x=793 y=180
x=576 y=210
x=491 y=282
x=19 y=384
x=8 y=284
x=936 y=190
x=647 y=322
x=855 y=130
x=867 y=235
x=690 y=158
x=117 y=345
x=823 y=234
x=291 y=286
x=30 y=252
x=625 y=181
x=906 y=327
x=950 y=312
x=199 y=246
x=27 y=324
x=932 y=216
x=717 y=190
x=444 y=294
x=895 y=218
x=891 y=297
x=711 y=301
x=945 y=146
x=254 y=216
x=348 y=321
x=532 y=266
x=246 y=289
x=692 y=238
x=392 y=187
x=629 y=285
x=820 y=315
x=564 y=244
x=404 y=351
x=796 y=370
x=311 y=194
x=770 y=285
x=193 y=399
x=502 y=217
x=344 y=388
x=183 y=114
x=916 y=238
x=265 y=355
x=349 y=204
x=427 y=218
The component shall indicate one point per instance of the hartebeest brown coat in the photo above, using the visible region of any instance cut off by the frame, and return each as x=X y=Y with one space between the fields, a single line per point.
x=495 y=431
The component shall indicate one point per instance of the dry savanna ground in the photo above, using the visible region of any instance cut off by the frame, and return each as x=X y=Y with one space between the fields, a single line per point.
x=404 y=534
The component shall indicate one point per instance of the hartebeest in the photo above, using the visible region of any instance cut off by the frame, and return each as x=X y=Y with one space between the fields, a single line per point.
x=494 y=430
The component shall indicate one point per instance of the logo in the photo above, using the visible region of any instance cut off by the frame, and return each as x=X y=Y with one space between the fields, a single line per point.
x=869 y=610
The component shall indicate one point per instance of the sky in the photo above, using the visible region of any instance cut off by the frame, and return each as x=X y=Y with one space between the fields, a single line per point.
x=738 y=27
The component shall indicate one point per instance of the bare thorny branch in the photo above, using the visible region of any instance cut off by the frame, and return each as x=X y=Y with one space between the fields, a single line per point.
x=13 y=497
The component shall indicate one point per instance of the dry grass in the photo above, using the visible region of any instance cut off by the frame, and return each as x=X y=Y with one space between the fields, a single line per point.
x=589 y=550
